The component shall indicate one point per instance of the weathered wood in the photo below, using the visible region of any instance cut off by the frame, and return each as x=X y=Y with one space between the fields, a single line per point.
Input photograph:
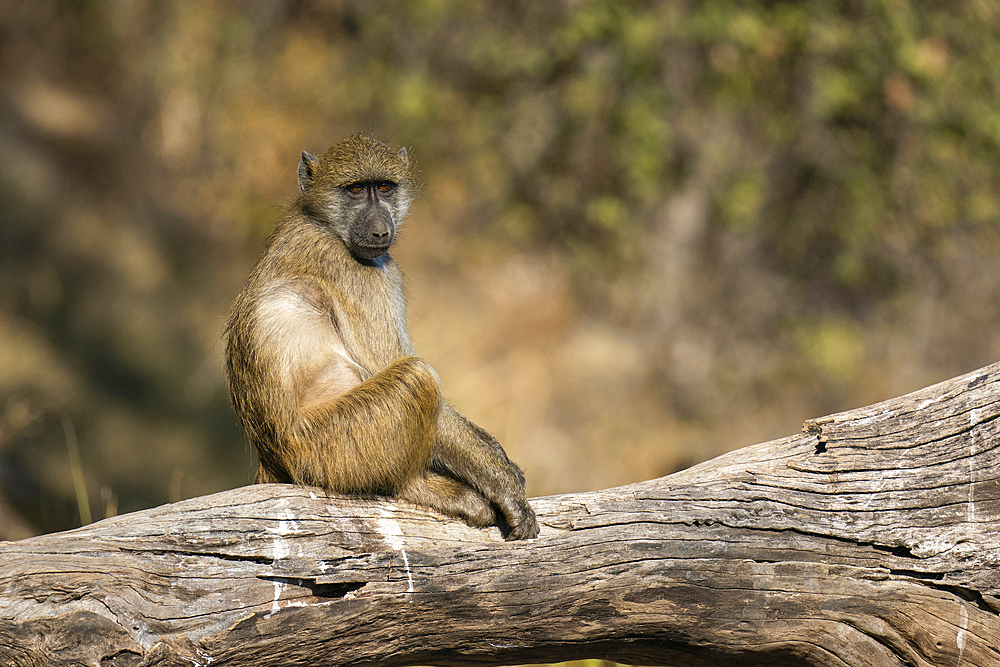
x=869 y=539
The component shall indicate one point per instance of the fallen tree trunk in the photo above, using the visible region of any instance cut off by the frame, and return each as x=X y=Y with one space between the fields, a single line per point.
x=871 y=538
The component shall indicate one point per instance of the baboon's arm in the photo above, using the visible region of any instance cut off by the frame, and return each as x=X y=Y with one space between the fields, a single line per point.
x=475 y=457
x=375 y=438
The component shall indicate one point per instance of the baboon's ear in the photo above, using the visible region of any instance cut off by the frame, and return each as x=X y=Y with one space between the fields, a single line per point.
x=402 y=156
x=307 y=168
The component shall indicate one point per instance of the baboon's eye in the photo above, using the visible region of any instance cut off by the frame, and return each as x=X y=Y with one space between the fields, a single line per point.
x=355 y=188
x=386 y=187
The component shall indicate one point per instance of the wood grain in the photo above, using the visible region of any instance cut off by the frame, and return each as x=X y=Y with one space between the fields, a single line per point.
x=871 y=538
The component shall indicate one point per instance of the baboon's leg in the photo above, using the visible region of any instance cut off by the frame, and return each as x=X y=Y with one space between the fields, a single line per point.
x=450 y=497
x=375 y=438
x=473 y=456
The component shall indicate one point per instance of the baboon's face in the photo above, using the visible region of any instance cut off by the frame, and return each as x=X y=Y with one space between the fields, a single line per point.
x=360 y=190
x=372 y=220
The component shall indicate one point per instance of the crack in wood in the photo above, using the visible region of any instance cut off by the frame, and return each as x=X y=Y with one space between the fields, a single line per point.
x=931 y=579
x=899 y=550
x=846 y=434
x=263 y=560
x=979 y=381
x=121 y=658
x=320 y=591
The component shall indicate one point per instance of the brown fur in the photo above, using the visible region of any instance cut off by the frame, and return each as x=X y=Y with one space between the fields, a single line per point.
x=321 y=370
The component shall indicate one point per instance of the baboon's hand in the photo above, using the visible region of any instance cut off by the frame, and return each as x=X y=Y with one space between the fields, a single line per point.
x=518 y=514
x=524 y=525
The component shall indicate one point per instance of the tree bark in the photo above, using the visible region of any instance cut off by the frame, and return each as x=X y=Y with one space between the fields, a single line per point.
x=870 y=538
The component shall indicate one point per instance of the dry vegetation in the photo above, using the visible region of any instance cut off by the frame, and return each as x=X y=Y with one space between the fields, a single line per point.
x=645 y=233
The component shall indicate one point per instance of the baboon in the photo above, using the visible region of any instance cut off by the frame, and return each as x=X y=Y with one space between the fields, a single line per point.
x=322 y=373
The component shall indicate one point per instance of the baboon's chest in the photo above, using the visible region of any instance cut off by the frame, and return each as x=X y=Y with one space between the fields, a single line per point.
x=372 y=321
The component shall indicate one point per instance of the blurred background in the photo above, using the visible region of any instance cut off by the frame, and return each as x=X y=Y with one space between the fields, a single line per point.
x=649 y=232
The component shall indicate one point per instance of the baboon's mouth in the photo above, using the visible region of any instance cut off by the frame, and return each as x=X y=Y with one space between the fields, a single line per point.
x=370 y=251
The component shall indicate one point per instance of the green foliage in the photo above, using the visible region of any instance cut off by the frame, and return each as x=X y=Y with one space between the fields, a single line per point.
x=822 y=129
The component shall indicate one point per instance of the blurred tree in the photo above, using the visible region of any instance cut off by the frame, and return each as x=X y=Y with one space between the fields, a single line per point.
x=707 y=215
